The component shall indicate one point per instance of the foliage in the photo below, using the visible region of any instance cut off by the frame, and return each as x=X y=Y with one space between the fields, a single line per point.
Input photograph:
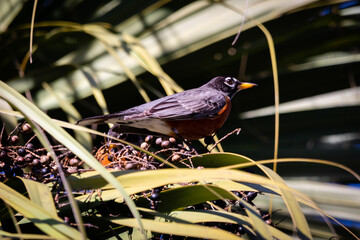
x=112 y=192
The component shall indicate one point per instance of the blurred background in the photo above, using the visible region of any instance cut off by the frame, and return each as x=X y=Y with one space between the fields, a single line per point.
x=316 y=42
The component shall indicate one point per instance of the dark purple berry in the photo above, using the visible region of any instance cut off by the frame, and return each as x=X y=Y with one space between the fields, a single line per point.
x=237 y=193
x=155 y=196
x=44 y=170
x=251 y=196
x=240 y=230
x=21 y=151
x=3 y=154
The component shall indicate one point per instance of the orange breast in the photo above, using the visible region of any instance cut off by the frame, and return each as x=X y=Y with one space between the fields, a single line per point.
x=200 y=128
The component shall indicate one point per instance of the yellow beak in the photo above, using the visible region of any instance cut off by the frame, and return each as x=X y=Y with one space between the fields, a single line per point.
x=245 y=85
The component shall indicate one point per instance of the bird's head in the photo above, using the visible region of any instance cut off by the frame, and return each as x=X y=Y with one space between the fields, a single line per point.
x=228 y=85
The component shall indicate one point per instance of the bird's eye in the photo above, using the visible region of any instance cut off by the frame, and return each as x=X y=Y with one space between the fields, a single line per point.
x=229 y=81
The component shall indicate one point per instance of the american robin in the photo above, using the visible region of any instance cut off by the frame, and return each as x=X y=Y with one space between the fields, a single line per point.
x=191 y=115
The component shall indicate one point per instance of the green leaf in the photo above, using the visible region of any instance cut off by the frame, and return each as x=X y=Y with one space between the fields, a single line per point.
x=236 y=186
x=189 y=195
x=43 y=219
x=9 y=235
x=214 y=160
x=138 y=181
x=180 y=229
x=40 y=194
x=289 y=197
x=199 y=216
x=292 y=204
x=260 y=227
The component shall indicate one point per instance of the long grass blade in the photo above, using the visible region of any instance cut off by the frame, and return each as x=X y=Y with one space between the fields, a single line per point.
x=299 y=220
x=260 y=227
x=201 y=216
x=32 y=29
x=8 y=235
x=305 y=160
x=181 y=229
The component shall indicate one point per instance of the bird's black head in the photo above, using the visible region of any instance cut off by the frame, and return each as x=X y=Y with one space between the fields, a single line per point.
x=228 y=85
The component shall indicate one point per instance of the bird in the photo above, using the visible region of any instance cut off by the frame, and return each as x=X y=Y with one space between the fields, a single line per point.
x=192 y=114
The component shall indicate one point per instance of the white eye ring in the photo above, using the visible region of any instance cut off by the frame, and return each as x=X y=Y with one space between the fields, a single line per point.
x=229 y=81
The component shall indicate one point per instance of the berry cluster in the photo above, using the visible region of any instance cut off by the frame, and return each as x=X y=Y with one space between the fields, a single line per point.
x=21 y=155
x=119 y=156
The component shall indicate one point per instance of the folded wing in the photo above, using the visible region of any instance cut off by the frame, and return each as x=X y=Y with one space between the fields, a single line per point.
x=192 y=104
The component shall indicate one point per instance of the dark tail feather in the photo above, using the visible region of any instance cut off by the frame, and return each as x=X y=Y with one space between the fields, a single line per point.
x=102 y=119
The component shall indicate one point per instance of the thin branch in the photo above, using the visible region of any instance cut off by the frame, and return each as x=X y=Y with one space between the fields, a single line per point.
x=237 y=131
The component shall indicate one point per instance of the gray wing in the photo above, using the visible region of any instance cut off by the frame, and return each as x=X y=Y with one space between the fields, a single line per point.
x=191 y=104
